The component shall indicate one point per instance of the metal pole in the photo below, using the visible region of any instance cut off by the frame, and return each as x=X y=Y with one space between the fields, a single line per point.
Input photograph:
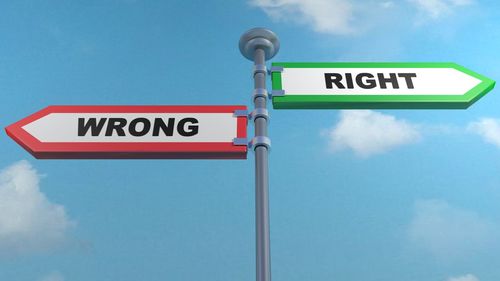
x=260 y=45
x=263 y=259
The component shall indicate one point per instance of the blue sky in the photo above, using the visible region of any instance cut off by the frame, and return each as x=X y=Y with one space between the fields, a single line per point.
x=355 y=195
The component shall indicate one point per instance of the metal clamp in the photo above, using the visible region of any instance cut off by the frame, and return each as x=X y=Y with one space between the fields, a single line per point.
x=275 y=69
x=277 y=93
x=240 y=113
x=260 y=93
x=259 y=112
x=240 y=141
x=260 y=141
x=259 y=68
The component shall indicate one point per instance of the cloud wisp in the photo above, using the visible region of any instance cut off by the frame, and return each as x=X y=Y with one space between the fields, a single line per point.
x=324 y=16
x=435 y=9
x=368 y=132
x=467 y=277
x=488 y=129
x=29 y=222
x=449 y=233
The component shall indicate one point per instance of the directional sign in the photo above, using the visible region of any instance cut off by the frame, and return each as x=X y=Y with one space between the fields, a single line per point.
x=186 y=132
x=376 y=86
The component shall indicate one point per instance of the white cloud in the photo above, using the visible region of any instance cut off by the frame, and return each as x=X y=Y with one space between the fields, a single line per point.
x=54 y=276
x=367 y=132
x=436 y=8
x=325 y=16
x=29 y=222
x=488 y=128
x=348 y=17
x=468 y=277
x=448 y=232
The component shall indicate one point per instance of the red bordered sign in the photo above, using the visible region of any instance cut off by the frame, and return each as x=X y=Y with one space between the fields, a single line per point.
x=132 y=132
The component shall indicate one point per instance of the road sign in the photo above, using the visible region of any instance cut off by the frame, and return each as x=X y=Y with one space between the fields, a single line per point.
x=376 y=86
x=86 y=132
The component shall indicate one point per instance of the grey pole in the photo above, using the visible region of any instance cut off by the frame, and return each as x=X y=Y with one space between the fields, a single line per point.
x=259 y=45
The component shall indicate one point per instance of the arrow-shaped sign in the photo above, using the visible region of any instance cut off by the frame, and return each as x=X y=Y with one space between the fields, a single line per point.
x=376 y=86
x=208 y=132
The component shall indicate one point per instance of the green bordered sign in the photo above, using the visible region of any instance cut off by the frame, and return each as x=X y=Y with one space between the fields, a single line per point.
x=376 y=86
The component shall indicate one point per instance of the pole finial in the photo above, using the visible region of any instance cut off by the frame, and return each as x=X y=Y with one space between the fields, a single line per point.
x=256 y=38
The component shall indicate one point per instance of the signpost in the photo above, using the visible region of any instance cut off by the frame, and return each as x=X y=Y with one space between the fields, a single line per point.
x=259 y=45
x=220 y=132
x=184 y=132
x=376 y=86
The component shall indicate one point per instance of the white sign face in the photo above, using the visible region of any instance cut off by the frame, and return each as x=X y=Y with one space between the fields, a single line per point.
x=134 y=127
x=376 y=81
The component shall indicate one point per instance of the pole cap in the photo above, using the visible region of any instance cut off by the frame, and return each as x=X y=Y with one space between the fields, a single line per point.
x=259 y=38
